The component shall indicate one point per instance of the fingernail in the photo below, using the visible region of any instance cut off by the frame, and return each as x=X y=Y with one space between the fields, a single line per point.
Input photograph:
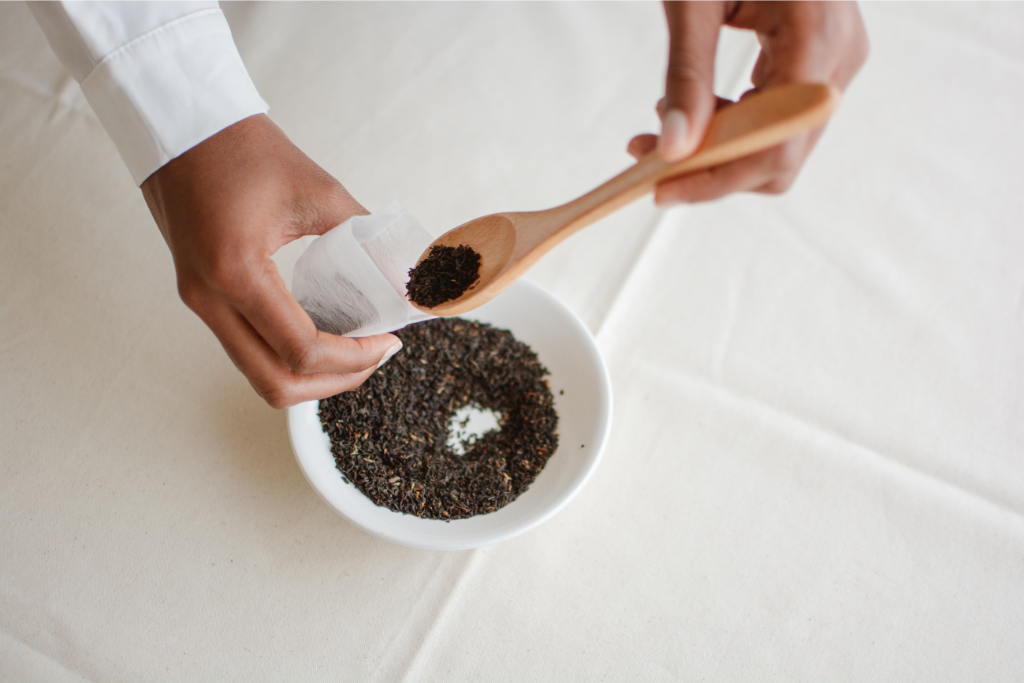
x=663 y=202
x=672 y=141
x=387 y=356
x=668 y=202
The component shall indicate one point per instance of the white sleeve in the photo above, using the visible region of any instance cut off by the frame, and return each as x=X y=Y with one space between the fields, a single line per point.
x=161 y=76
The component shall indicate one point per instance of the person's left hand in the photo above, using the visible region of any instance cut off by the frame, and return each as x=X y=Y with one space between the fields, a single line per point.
x=224 y=207
x=801 y=42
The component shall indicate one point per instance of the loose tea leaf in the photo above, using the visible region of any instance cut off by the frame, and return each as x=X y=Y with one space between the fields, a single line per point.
x=390 y=436
x=443 y=275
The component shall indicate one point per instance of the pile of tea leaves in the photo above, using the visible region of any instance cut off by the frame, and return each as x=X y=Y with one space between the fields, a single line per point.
x=445 y=274
x=390 y=435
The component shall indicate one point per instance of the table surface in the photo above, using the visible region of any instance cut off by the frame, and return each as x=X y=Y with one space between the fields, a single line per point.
x=816 y=468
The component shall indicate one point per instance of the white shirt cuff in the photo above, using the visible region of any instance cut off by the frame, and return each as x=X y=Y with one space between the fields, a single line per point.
x=170 y=89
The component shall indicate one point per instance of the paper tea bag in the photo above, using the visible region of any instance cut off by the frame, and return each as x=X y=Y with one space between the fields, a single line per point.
x=351 y=280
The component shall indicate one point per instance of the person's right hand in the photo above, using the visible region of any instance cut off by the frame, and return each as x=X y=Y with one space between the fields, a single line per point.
x=224 y=207
x=801 y=42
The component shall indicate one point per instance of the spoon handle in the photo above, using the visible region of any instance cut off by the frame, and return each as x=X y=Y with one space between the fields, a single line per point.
x=753 y=124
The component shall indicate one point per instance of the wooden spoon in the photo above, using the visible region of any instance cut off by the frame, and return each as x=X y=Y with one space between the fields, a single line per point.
x=510 y=243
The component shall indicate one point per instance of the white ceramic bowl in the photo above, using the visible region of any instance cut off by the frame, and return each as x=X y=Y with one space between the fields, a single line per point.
x=583 y=399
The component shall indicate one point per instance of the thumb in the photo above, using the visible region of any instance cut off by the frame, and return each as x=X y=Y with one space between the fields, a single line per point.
x=689 y=85
x=378 y=349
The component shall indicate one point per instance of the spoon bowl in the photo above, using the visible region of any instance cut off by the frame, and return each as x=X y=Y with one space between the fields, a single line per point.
x=510 y=243
x=494 y=238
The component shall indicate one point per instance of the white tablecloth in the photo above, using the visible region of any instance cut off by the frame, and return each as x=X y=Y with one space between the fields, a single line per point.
x=816 y=469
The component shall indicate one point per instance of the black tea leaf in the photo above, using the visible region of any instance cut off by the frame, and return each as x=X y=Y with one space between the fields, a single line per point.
x=390 y=435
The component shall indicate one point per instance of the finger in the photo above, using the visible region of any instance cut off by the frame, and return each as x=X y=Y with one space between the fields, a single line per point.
x=330 y=207
x=771 y=171
x=805 y=42
x=789 y=168
x=642 y=145
x=646 y=143
x=689 y=83
x=269 y=375
x=261 y=297
x=719 y=103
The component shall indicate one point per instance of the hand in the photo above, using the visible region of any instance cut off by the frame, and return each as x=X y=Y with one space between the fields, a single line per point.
x=801 y=42
x=224 y=207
